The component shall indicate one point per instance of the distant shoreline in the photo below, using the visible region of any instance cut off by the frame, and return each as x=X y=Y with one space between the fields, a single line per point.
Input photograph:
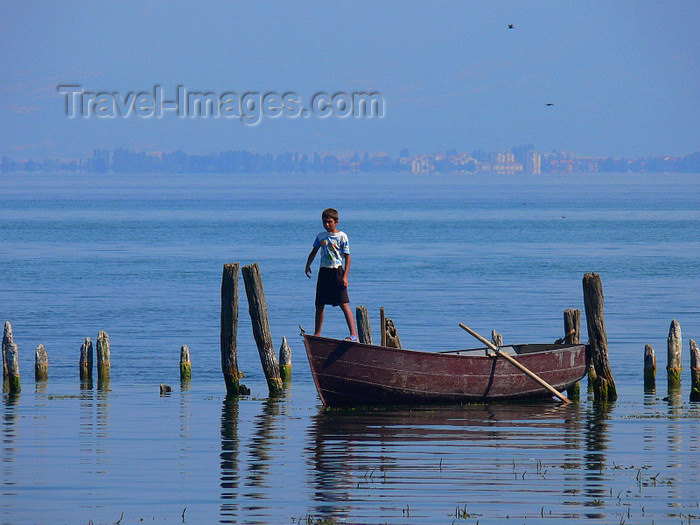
x=517 y=161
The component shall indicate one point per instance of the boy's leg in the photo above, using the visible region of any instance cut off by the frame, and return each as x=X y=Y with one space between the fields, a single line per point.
x=345 y=307
x=319 y=319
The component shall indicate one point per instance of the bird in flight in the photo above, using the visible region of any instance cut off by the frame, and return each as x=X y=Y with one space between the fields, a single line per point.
x=549 y=104
x=510 y=26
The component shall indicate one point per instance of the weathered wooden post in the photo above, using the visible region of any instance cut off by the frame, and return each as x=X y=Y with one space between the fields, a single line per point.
x=496 y=338
x=604 y=385
x=11 y=357
x=86 y=360
x=649 y=369
x=257 y=308
x=382 y=325
x=7 y=328
x=41 y=364
x=229 y=328
x=694 y=371
x=103 y=352
x=391 y=334
x=285 y=361
x=572 y=336
x=675 y=348
x=185 y=364
x=364 y=329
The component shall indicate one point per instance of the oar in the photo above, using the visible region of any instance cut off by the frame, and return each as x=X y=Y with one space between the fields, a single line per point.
x=517 y=364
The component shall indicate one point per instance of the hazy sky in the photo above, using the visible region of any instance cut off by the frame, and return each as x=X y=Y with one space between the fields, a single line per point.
x=623 y=78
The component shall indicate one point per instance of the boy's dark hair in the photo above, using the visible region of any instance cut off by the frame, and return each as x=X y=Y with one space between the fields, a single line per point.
x=330 y=212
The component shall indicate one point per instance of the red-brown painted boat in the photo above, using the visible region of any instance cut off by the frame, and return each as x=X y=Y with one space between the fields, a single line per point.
x=349 y=373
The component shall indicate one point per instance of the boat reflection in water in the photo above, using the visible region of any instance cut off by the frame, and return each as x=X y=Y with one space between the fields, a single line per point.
x=517 y=460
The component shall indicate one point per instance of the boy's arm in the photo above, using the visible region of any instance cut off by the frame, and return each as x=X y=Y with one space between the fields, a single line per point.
x=309 y=260
x=347 y=269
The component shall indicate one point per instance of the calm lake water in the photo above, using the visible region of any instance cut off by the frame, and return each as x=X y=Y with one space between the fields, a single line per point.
x=141 y=258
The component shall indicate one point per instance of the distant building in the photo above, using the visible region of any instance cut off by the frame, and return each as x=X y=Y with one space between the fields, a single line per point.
x=533 y=163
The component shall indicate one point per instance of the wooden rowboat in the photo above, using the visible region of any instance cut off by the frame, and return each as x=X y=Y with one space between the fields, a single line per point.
x=349 y=373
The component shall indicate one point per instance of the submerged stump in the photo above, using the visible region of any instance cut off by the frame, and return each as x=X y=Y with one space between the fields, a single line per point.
x=649 y=369
x=675 y=349
x=185 y=364
x=364 y=329
x=604 y=384
x=694 y=371
x=257 y=308
x=41 y=364
x=285 y=361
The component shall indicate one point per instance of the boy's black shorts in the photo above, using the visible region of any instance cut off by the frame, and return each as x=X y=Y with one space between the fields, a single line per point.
x=329 y=287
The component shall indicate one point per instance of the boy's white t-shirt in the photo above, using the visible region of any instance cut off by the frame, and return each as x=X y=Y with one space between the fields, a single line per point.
x=332 y=247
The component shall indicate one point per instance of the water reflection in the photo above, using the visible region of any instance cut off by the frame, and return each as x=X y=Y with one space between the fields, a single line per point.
x=596 y=488
x=9 y=441
x=228 y=511
x=473 y=451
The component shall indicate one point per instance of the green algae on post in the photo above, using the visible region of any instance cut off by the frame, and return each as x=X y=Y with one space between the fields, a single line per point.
x=675 y=349
x=185 y=364
x=694 y=371
x=285 y=361
x=604 y=384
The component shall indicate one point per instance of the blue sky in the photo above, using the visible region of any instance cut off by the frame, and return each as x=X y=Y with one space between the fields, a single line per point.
x=623 y=77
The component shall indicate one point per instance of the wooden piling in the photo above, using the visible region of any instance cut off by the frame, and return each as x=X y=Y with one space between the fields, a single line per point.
x=694 y=371
x=382 y=325
x=649 y=369
x=12 y=382
x=86 y=360
x=392 y=335
x=496 y=338
x=604 y=385
x=257 y=308
x=364 y=329
x=229 y=328
x=185 y=364
x=675 y=349
x=572 y=336
x=6 y=336
x=103 y=352
x=285 y=361
x=41 y=364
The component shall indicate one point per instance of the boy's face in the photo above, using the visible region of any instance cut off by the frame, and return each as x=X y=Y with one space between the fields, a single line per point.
x=329 y=223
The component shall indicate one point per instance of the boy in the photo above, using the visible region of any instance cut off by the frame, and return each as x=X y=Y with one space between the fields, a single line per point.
x=332 y=283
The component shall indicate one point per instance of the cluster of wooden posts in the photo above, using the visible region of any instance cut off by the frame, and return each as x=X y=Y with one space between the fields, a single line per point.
x=278 y=372
x=11 y=380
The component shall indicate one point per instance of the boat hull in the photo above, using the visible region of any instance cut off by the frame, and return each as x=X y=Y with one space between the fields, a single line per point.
x=349 y=373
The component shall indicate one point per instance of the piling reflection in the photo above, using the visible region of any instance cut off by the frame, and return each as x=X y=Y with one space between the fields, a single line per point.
x=9 y=442
x=228 y=509
x=260 y=451
x=86 y=430
x=595 y=459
